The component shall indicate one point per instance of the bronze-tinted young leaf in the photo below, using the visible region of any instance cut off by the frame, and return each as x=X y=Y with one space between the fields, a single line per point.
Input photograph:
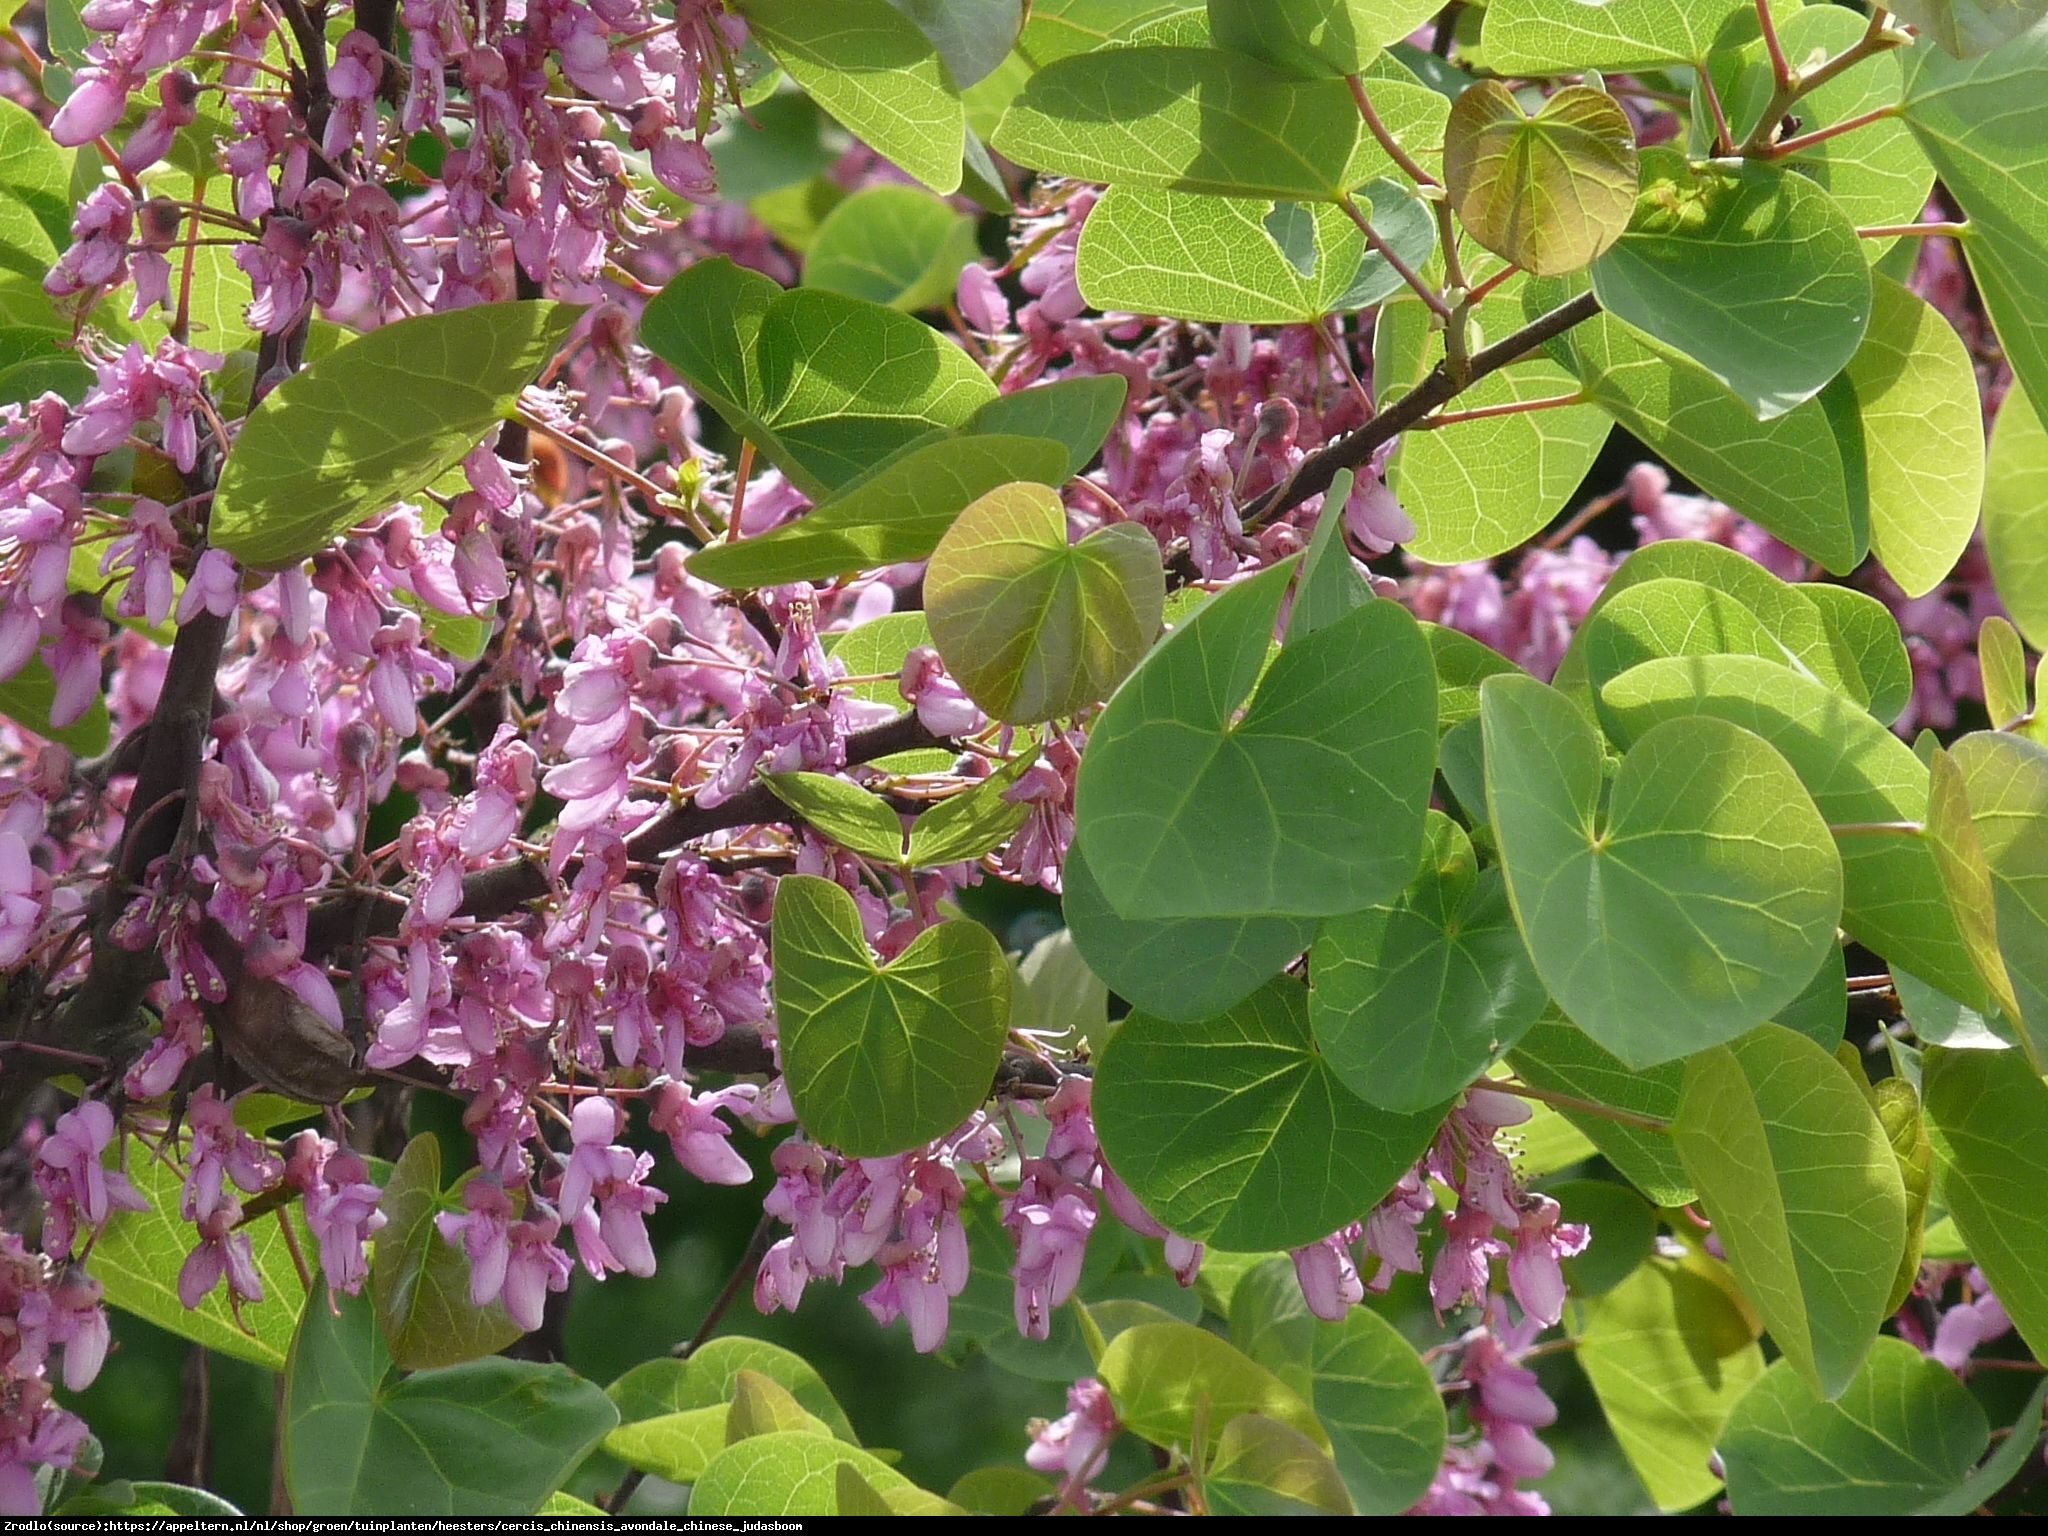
x=1548 y=192
x=1033 y=627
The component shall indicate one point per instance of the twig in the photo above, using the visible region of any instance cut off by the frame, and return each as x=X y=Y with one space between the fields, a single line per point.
x=1313 y=475
x=1387 y=141
x=1522 y=1090
x=1406 y=273
x=1505 y=408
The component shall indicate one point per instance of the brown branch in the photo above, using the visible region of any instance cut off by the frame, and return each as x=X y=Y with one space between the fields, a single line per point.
x=494 y=892
x=1313 y=475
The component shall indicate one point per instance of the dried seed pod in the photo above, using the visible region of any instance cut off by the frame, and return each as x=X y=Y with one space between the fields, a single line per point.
x=283 y=1044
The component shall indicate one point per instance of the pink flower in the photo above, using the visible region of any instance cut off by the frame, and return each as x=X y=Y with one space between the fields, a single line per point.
x=941 y=704
x=341 y=1207
x=699 y=1139
x=1328 y=1275
x=222 y=1251
x=1077 y=1445
x=79 y=1194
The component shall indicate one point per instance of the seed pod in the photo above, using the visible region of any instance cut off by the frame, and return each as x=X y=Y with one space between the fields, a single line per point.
x=283 y=1044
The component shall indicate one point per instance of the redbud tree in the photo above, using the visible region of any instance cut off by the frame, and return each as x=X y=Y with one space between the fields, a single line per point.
x=568 y=569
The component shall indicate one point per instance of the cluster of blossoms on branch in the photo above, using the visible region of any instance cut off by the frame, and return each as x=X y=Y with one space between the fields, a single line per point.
x=618 y=686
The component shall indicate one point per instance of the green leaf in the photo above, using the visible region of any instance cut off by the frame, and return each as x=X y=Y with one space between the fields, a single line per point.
x=1557 y=1056
x=1627 y=1228
x=1315 y=37
x=1800 y=476
x=882 y=1059
x=1154 y=251
x=26 y=697
x=867 y=64
x=2000 y=1467
x=1750 y=271
x=877 y=649
x=1549 y=192
x=139 y=1254
x=1867 y=646
x=565 y=1506
x=493 y=1437
x=762 y=1406
x=1196 y=119
x=1462 y=664
x=376 y=421
x=1858 y=773
x=1987 y=1113
x=1077 y=413
x=1958 y=854
x=972 y=36
x=855 y=1495
x=1382 y=1409
x=896 y=513
x=1547 y=37
x=1002 y=1489
x=35 y=194
x=708 y=1377
x=1967 y=28
x=1876 y=173
x=1234 y=1130
x=1702 y=904
x=421 y=1281
x=1058 y=29
x=792 y=1473
x=1804 y=1192
x=1170 y=765
x=1271 y=1323
x=676 y=1446
x=1414 y=998
x=1669 y=1353
x=1032 y=627
x=1266 y=1468
x=1330 y=585
x=1163 y=1375
x=773 y=145
x=1905 y=1431
x=2006 y=778
x=851 y=816
x=2016 y=515
x=1898 y=1111
x=2004 y=665
x=1057 y=994
x=1923 y=433
x=1668 y=616
x=825 y=385
x=1476 y=489
x=1181 y=968
x=897 y=246
x=974 y=822
x=123 y=1498
x=1984 y=124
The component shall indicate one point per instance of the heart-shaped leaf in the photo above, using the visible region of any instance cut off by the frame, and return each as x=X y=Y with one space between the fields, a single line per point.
x=1804 y=1192
x=1414 y=998
x=1698 y=909
x=1031 y=626
x=1548 y=192
x=493 y=1437
x=710 y=1377
x=1267 y=1468
x=897 y=512
x=421 y=1280
x=1213 y=1123
x=825 y=385
x=1860 y=776
x=1904 y=1432
x=1750 y=271
x=891 y=245
x=1181 y=968
x=1669 y=1352
x=375 y=421
x=883 y=1059
x=1163 y=1375
x=795 y=1473
x=2007 y=784
x=1338 y=745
